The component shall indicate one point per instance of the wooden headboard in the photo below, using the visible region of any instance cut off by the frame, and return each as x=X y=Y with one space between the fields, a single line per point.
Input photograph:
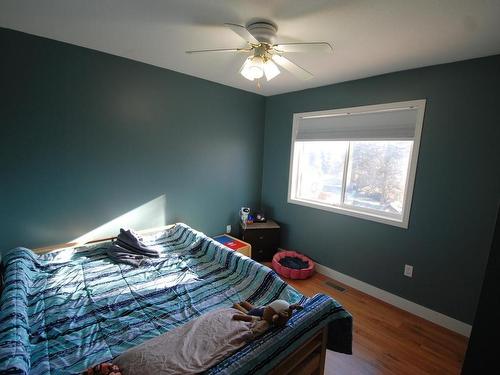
x=69 y=245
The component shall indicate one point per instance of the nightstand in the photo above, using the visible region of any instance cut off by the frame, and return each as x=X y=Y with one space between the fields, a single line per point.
x=264 y=238
x=235 y=244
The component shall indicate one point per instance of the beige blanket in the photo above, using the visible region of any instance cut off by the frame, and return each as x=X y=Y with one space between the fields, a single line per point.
x=192 y=348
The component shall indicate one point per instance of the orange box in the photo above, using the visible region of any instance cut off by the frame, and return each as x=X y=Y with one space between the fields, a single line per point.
x=235 y=244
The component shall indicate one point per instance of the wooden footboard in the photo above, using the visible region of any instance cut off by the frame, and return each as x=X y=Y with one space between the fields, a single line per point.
x=308 y=359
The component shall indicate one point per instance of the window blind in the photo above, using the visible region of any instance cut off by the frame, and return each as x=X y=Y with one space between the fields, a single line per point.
x=398 y=123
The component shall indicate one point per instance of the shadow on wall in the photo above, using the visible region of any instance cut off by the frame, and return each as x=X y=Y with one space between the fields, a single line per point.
x=149 y=215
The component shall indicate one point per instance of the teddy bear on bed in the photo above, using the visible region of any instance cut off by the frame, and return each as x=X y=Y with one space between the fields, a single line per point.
x=277 y=313
x=106 y=368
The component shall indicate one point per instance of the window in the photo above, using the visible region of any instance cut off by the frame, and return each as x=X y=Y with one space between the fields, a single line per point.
x=357 y=161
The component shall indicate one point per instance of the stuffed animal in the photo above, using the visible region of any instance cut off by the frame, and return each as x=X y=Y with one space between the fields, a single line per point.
x=103 y=369
x=276 y=313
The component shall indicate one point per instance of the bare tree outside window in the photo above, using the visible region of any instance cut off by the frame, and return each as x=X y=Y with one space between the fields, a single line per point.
x=376 y=177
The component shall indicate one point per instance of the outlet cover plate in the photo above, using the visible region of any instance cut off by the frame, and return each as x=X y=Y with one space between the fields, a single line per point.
x=408 y=272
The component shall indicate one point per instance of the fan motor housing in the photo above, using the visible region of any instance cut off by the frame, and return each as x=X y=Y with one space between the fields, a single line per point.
x=263 y=31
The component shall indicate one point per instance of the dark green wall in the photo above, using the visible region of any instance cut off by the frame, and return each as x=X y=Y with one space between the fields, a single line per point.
x=455 y=195
x=86 y=136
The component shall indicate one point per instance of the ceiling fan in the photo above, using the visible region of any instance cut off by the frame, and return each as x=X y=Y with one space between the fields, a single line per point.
x=264 y=54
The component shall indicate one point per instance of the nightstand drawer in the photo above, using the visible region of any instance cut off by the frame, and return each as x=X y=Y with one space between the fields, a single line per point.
x=260 y=255
x=264 y=238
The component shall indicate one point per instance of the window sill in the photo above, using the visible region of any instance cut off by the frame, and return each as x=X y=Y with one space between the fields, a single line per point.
x=401 y=223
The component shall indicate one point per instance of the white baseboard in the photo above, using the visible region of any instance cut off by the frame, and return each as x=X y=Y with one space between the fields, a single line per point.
x=392 y=299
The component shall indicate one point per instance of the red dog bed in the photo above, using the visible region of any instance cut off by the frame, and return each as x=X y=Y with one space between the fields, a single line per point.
x=304 y=272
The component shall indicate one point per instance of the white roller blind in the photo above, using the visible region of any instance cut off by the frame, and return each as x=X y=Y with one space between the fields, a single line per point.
x=398 y=123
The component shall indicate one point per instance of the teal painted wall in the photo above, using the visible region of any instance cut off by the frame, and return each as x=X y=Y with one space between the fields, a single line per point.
x=455 y=195
x=86 y=136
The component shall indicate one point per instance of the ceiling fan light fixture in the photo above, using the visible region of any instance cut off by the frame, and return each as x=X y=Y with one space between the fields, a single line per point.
x=253 y=68
x=244 y=69
x=260 y=37
x=270 y=70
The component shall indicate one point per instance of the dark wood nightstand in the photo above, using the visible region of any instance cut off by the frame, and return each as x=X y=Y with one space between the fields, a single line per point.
x=264 y=238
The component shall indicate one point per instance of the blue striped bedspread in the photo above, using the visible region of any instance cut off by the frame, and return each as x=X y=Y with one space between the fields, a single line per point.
x=65 y=311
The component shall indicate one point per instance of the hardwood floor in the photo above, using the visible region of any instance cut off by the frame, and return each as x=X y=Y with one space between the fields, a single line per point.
x=388 y=340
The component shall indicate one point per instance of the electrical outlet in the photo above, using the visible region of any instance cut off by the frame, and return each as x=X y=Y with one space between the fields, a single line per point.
x=408 y=272
x=228 y=228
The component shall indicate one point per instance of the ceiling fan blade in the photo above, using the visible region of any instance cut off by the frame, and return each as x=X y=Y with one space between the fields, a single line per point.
x=292 y=67
x=221 y=50
x=242 y=32
x=304 y=47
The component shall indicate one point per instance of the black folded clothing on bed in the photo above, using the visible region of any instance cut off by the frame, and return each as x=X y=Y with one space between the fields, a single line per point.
x=129 y=240
x=121 y=255
x=129 y=249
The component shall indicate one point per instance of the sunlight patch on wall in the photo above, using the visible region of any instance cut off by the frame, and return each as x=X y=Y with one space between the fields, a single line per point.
x=149 y=215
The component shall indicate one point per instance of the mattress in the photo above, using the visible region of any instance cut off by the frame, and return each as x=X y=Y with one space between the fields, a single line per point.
x=65 y=311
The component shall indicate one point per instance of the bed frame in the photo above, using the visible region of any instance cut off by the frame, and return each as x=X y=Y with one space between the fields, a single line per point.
x=307 y=359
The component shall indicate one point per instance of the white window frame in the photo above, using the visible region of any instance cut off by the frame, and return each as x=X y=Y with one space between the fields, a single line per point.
x=365 y=213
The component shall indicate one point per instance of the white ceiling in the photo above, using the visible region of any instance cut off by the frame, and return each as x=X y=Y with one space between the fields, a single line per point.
x=369 y=37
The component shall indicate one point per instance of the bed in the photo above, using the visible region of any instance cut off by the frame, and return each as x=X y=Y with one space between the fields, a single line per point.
x=68 y=309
